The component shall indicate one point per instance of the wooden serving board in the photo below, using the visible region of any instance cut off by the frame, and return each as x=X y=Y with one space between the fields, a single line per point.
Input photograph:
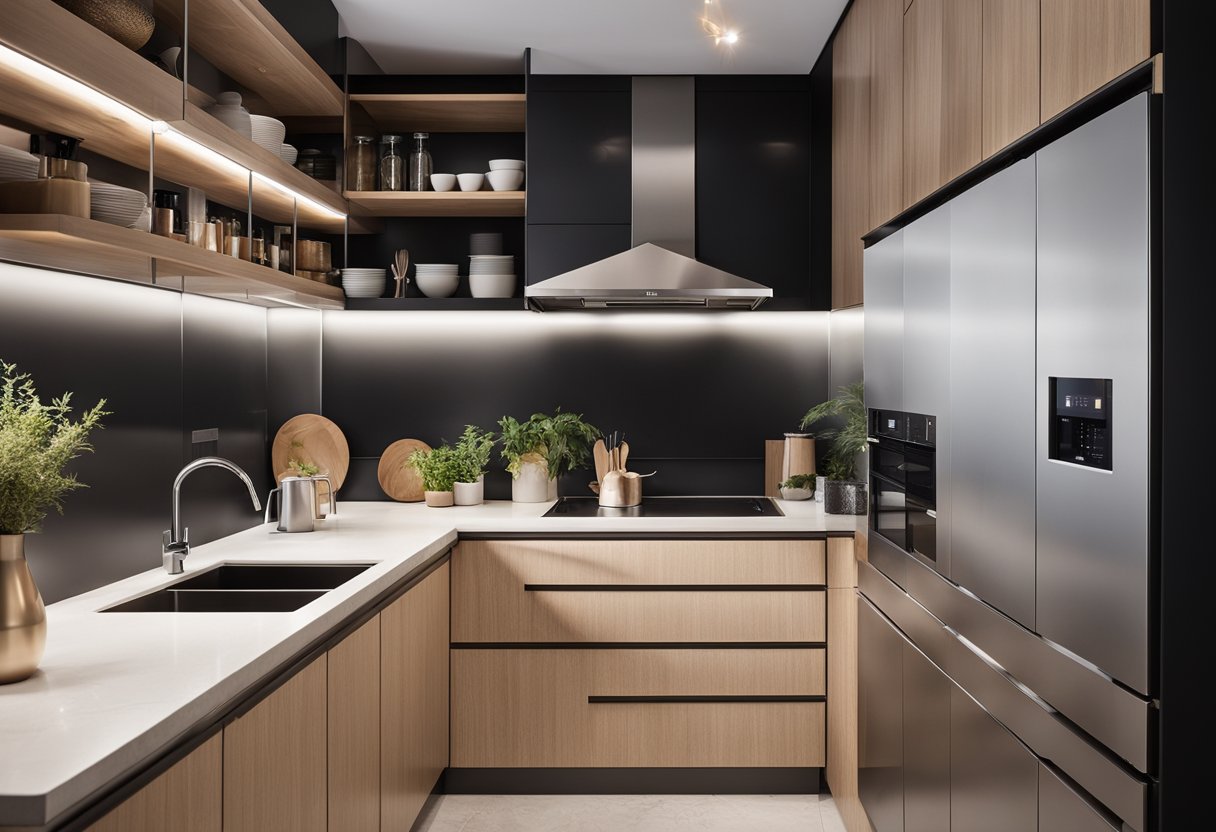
x=315 y=439
x=400 y=481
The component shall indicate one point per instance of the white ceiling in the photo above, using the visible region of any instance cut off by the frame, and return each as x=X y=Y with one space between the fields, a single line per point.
x=628 y=37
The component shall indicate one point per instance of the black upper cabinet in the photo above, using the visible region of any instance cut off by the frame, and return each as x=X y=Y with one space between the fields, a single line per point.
x=579 y=154
x=556 y=249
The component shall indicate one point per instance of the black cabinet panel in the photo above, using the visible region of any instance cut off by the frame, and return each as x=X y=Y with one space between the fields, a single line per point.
x=554 y=249
x=753 y=185
x=579 y=156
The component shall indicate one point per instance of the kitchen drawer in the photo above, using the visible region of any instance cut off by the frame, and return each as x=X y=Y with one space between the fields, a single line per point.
x=679 y=708
x=665 y=591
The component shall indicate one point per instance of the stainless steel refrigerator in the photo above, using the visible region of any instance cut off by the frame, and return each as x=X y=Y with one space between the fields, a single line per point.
x=1008 y=684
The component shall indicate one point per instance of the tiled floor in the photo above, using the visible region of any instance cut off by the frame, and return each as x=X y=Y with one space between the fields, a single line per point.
x=632 y=813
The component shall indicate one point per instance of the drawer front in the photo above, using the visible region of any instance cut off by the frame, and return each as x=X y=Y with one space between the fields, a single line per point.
x=556 y=591
x=637 y=708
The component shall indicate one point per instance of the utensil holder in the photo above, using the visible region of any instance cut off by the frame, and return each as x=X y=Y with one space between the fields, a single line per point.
x=619 y=490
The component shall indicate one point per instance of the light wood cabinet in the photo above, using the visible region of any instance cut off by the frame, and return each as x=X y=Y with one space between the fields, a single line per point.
x=638 y=591
x=186 y=798
x=1087 y=43
x=942 y=93
x=1011 y=72
x=414 y=642
x=850 y=153
x=354 y=731
x=275 y=759
x=637 y=707
x=886 y=111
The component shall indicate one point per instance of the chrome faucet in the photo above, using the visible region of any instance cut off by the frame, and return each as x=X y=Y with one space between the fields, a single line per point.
x=175 y=544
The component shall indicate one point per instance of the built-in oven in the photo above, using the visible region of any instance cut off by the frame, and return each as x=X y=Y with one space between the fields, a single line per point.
x=903 y=480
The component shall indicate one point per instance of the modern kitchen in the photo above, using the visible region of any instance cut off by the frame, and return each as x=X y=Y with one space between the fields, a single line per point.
x=566 y=415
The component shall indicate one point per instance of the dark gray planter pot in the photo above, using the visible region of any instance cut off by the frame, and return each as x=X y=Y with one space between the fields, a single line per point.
x=845 y=497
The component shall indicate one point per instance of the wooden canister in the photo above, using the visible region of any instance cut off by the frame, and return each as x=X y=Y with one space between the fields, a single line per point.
x=46 y=196
x=799 y=456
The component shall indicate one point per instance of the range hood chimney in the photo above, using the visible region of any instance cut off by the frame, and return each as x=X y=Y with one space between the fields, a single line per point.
x=660 y=271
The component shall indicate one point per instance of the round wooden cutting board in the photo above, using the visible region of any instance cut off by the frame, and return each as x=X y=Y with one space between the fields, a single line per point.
x=398 y=480
x=315 y=439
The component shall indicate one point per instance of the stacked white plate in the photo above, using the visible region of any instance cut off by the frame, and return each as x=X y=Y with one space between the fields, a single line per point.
x=485 y=243
x=268 y=133
x=115 y=204
x=437 y=280
x=492 y=275
x=288 y=153
x=17 y=165
x=363 y=283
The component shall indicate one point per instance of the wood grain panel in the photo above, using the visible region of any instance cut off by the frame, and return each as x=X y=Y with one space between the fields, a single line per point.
x=886 y=111
x=774 y=456
x=437 y=204
x=850 y=152
x=1011 y=72
x=275 y=759
x=186 y=798
x=1087 y=43
x=842 y=739
x=492 y=605
x=354 y=731
x=530 y=708
x=413 y=698
x=842 y=563
x=446 y=112
x=962 y=95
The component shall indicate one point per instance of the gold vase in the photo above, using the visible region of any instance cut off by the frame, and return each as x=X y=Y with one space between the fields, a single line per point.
x=22 y=614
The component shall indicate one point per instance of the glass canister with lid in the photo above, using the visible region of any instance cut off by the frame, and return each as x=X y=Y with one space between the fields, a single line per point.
x=361 y=164
x=392 y=166
x=420 y=163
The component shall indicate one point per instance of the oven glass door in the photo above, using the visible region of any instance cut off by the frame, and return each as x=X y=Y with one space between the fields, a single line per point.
x=921 y=529
x=888 y=510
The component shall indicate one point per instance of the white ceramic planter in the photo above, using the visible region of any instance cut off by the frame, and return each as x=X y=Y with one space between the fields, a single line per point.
x=795 y=493
x=439 y=499
x=533 y=484
x=471 y=493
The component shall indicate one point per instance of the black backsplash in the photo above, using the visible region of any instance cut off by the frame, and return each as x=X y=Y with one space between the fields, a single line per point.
x=167 y=364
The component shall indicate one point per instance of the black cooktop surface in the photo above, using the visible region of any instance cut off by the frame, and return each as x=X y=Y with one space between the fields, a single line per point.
x=669 y=507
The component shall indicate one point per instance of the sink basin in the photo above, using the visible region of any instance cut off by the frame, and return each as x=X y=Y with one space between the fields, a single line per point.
x=246 y=587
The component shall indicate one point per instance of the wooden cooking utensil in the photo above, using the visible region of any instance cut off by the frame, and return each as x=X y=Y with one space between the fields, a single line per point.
x=314 y=439
x=624 y=455
x=600 y=454
x=399 y=480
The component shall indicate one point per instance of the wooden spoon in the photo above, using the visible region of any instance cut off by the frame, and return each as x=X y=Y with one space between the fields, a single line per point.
x=600 y=453
x=624 y=455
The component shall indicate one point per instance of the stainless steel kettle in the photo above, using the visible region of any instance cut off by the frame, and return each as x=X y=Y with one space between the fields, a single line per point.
x=299 y=503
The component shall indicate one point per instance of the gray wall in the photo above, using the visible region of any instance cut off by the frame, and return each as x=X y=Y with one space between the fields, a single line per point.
x=696 y=394
x=167 y=364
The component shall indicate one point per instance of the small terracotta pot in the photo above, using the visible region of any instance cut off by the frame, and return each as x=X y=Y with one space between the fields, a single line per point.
x=439 y=499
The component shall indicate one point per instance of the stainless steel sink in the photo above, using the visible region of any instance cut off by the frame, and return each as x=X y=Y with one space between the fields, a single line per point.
x=237 y=587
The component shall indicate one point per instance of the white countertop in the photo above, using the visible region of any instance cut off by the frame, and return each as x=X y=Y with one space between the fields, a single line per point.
x=114 y=690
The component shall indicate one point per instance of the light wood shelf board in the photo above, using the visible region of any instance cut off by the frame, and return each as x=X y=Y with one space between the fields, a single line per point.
x=446 y=113
x=433 y=204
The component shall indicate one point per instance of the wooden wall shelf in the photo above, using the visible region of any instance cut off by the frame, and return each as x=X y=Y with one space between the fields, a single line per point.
x=245 y=41
x=446 y=113
x=433 y=204
x=92 y=247
x=438 y=304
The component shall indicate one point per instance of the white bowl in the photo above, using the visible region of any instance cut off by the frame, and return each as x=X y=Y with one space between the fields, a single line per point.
x=115 y=204
x=288 y=153
x=443 y=181
x=471 y=181
x=17 y=165
x=268 y=133
x=505 y=180
x=437 y=285
x=492 y=285
x=506 y=164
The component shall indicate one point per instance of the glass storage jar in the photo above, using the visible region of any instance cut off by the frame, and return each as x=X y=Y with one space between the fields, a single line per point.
x=392 y=166
x=361 y=164
x=420 y=163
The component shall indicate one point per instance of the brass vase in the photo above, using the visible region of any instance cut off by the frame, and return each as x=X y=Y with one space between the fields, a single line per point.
x=22 y=614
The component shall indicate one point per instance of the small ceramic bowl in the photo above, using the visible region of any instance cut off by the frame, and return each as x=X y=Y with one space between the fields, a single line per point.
x=471 y=181
x=443 y=181
x=505 y=180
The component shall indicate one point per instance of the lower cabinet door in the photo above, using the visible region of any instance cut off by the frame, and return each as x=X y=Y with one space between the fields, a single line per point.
x=414 y=643
x=926 y=744
x=275 y=759
x=186 y=798
x=1062 y=809
x=354 y=731
x=994 y=779
x=880 y=719
x=637 y=708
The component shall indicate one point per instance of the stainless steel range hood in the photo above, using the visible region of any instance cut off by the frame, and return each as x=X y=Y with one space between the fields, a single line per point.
x=660 y=271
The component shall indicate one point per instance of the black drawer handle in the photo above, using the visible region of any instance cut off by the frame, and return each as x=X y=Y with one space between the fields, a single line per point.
x=674 y=587
x=610 y=700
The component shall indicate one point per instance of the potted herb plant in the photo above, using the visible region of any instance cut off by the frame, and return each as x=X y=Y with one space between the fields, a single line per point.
x=843 y=493
x=439 y=469
x=473 y=455
x=36 y=441
x=798 y=487
x=543 y=448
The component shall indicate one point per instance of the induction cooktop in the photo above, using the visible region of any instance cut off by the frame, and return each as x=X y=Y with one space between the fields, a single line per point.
x=669 y=507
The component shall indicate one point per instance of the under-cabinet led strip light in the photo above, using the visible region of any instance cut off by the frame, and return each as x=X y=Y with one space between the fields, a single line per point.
x=116 y=109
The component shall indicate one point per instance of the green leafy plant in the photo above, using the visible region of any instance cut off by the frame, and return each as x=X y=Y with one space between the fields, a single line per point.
x=36 y=441
x=439 y=468
x=849 y=438
x=473 y=452
x=302 y=469
x=562 y=442
x=799 y=481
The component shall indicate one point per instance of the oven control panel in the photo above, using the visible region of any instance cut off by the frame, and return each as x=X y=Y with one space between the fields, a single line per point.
x=1080 y=421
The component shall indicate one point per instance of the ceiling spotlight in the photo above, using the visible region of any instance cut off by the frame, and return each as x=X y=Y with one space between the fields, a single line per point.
x=731 y=36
